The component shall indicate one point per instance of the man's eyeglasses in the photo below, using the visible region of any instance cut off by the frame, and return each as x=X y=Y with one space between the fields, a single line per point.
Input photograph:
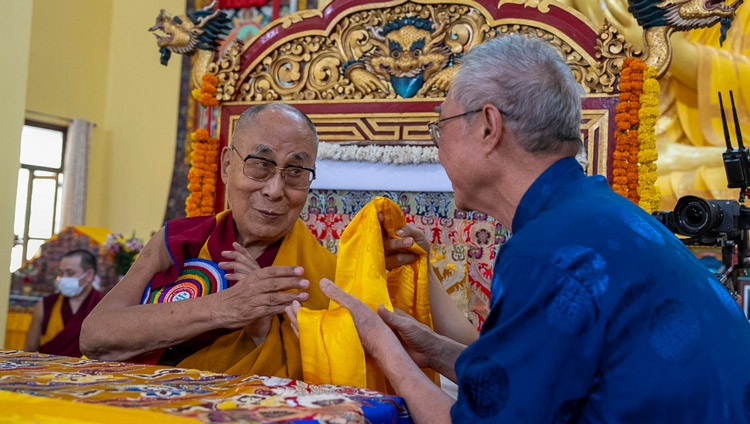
x=262 y=169
x=434 y=128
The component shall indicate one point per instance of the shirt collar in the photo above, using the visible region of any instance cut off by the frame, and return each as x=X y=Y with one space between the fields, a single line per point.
x=544 y=188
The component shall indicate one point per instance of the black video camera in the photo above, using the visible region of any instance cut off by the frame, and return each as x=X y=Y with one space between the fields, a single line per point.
x=705 y=221
x=719 y=223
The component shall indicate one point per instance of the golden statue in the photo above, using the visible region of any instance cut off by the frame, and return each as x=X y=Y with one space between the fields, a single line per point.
x=690 y=137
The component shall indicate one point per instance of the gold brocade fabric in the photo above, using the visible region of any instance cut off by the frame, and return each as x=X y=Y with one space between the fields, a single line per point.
x=278 y=355
x=55 y=324
x=38 y=388
x=331 y=350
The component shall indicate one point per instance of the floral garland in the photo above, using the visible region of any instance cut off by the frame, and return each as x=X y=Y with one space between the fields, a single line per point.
x=206 y=95
x=202 y=175
x=650 y=196
x=634 y=158
x=398 y=155
x=627 y=147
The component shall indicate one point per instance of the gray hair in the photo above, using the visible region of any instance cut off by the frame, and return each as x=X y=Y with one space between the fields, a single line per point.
x=247 y=118
x=527 y=79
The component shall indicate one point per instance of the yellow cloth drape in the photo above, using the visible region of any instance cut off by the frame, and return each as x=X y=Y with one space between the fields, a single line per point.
x=278 y=355
x=55 y=324
x=331 y=350
x=96 y=234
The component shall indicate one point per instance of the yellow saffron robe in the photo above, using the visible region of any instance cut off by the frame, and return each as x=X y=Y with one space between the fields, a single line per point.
x=279 y=354
x=331 y=350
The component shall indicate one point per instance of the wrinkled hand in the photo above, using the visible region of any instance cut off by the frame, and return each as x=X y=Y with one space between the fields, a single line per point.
x=418 y=339
x=375 y=335
x=257 y=292
x=396 y=249
x=291 y=311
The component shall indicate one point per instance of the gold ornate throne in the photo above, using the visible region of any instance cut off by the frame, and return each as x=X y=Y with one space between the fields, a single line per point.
x=335 y=64
x=353 y=67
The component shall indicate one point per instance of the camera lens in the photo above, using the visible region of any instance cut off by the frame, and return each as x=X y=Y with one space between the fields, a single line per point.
x=695 y=216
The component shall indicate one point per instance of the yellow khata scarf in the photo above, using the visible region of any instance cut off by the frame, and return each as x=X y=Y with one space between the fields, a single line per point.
x=279 y=354
x=55 y=324
x=331 y=350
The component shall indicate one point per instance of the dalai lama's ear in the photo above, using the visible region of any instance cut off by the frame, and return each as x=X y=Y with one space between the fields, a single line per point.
x=226 y=155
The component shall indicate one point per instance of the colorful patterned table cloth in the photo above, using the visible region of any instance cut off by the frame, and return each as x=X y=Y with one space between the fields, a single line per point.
x=176 y=392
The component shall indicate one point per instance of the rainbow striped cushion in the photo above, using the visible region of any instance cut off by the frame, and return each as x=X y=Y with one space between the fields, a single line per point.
x=198 y=277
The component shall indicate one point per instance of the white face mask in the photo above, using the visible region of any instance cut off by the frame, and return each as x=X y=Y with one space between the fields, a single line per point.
x=97 y=283
x=69 y=286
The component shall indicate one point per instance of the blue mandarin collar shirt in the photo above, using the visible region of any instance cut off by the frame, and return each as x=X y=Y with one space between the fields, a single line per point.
x=600 y=315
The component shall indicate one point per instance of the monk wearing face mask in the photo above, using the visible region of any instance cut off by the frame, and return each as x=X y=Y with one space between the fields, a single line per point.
x=56 y=324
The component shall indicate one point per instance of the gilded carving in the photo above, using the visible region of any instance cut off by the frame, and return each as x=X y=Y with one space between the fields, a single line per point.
x=227 y=70
x=408 y=51
x=611 y=50
x=289 y=20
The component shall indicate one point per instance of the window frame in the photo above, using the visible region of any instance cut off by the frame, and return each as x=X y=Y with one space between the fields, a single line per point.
x=32 y=169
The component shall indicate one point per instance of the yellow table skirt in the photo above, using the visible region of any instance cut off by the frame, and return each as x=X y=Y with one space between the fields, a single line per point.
x=22 y=409
x=16 y=328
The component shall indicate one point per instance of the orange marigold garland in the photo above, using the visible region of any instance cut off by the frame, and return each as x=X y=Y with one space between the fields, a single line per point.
x=650 y=196
x=622 y=120
x=206 y=95
x=204 y=165
x=627 y=147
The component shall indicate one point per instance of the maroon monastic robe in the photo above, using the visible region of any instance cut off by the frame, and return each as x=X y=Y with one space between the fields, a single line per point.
x=65 y=342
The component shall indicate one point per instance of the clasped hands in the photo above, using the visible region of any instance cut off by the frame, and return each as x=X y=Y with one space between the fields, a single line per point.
x=260 y=293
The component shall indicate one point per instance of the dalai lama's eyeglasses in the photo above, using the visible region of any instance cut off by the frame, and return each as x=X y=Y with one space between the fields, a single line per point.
x=262 y=169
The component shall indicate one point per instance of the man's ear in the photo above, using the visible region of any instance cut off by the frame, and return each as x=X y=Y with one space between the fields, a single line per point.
x=493 y=132
x=225 y=156
x=90 y=275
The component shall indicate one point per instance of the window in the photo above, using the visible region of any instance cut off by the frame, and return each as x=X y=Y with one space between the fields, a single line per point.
x=39 y=193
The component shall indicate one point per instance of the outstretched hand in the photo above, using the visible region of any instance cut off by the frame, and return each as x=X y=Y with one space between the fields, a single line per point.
x=426 y=401
x=418 y=340
x=375 y=335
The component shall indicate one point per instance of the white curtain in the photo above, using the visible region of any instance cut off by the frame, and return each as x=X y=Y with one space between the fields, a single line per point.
x=76 y=170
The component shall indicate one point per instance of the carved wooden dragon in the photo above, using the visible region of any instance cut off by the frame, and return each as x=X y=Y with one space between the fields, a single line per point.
x=196 y=34
x=659 y=19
